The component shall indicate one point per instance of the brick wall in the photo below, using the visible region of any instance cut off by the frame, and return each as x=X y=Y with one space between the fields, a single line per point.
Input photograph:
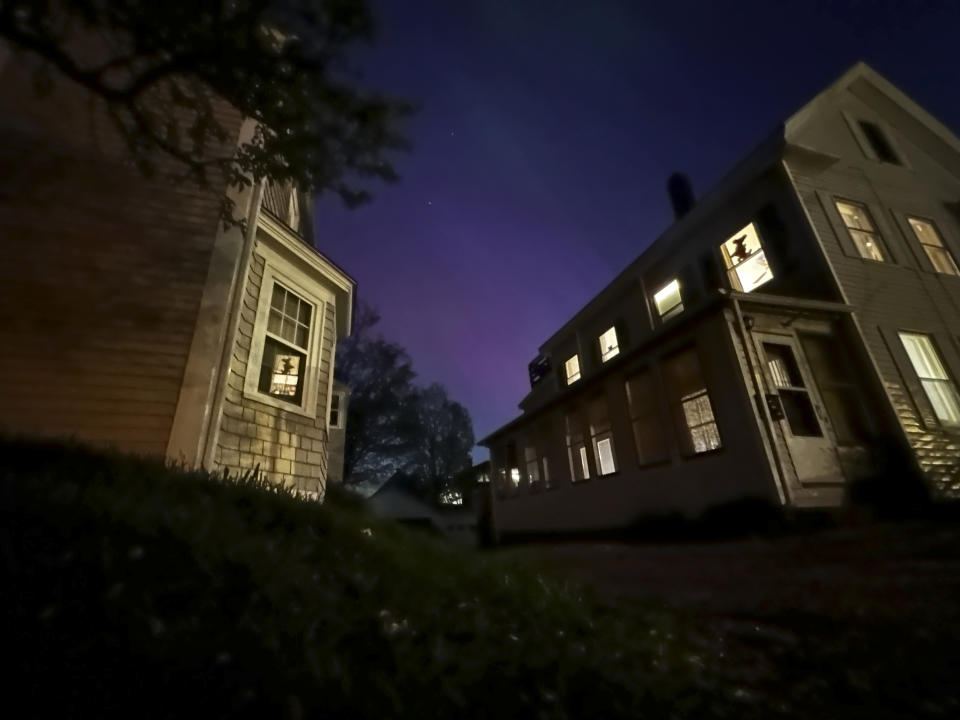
x=287 y=447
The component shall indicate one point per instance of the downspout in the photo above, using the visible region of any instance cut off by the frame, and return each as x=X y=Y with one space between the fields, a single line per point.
x=233 y=321
x=760 y=395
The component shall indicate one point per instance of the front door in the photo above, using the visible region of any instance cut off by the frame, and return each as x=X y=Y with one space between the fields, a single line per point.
x=804 y=423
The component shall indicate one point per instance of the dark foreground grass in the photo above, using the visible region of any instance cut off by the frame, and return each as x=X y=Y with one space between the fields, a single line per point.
x=132 y=589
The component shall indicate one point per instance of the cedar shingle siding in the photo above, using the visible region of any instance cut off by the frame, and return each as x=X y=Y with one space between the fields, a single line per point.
x=289 y=448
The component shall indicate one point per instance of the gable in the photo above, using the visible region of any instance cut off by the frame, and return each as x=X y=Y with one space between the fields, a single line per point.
x=830 y=123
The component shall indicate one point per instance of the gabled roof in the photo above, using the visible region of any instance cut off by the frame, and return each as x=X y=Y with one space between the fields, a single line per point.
x=860 y=80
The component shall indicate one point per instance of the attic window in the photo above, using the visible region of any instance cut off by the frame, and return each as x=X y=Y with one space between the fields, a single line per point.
x=609 y=347
x=879 y=142
x=572 y=369
x=668 y=300
x=746 y=263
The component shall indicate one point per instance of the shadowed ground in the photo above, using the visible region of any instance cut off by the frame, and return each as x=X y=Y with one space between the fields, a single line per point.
x=857 y=622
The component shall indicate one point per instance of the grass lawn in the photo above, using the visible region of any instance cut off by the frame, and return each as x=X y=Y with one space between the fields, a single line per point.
x=131 y=589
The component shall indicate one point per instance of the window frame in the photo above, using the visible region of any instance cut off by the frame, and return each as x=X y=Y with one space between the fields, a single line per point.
x=339 y=425
x=614 y=350
x=887 y=258
x=278 y=270
x=949 y=380
x=642 y=410
x=600 y=434
x=678 y=402
x=730 y=267
x=673 y=310
x=568 y=377
x=925 y=246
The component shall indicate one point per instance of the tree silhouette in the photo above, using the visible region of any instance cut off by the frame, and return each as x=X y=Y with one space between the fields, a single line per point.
x=159 y=67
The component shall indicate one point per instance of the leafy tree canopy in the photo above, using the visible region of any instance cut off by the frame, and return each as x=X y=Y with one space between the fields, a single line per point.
x=394 y=426
x=158 y=65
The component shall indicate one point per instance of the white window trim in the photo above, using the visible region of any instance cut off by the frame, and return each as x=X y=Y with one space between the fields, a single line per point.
x=279 y=269
x=339 y=424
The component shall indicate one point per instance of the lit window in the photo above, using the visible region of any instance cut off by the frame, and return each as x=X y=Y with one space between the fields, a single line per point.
x=668 y=300
x=609 y=348
x=577 y=448
x=602 y=436
x=690 y=402
x=879 y=142
x=533 y=467
x=939 y=388
x=648 y=429
x=285 y=346
x=932 y=243
x=745 y=260
x=572 y=369
x=450 y=496
x=515 y=476
x=335 y=414
x=857 y=220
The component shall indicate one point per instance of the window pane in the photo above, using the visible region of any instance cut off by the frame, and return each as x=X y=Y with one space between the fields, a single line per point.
x=923 y=356
x=668 y=299
x=302 y=336
x=572 y=369
x=584 y=463
x=277 y=300
x=533 y=474
x=609 y=347
x=273 y=324
x=754 y=272
x=941 y=260
x=925 y=231
x=855 y=216
x=304 y=315
x=281 y=371
x=867 y=245
x=597 y=412
x=943 y=397
x=546 y=471
x=288 y=329
x=605 y=456
x=690 y=403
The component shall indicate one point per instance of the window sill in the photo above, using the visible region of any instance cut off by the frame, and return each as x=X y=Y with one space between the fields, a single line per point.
x=697 y=456
x=279 y=404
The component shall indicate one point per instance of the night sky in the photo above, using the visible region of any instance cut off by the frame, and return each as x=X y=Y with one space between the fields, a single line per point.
x=546 y=134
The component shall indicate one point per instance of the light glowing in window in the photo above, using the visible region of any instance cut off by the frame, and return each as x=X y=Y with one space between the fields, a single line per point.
x=668 y=300
x=572 y=369
x=937 y=384
x=609 y=347
x=928 y=237
x=745 y=260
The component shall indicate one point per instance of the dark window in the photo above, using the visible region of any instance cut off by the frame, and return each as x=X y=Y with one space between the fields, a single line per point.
x=646 y=419
x=879 y=142
x=690 y=403
x=335 y=410
x=835 y=380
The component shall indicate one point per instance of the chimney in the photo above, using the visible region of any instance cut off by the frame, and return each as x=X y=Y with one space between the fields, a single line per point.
x=681 y=194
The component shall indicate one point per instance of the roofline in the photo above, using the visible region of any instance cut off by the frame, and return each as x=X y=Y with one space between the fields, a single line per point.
x=719 y=300
x=763 y=157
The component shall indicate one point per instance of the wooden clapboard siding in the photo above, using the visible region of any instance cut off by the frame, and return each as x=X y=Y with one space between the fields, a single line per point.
x=101 y=275
x=900 y=295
